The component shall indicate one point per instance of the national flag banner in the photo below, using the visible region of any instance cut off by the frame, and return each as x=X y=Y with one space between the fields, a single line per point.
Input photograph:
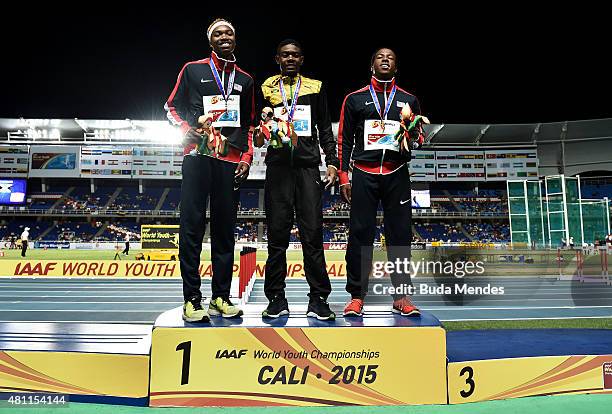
x=457 y=165
x=106 y=156
x=524 y=164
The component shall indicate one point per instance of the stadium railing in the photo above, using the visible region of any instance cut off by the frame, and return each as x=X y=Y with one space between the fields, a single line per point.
x=23 y=211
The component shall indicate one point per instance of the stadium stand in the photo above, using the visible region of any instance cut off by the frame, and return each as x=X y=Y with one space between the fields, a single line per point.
x=130 y=199
x=73 y=231
x=39 y=201
x=172 y=200
x=15 y=226
x=596 y=189
x=494 y=207
x=117 y=207
x=440 y=232
x=489 y=232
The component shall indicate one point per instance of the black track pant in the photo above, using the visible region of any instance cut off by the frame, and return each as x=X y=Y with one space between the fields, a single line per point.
x=393 y=190
x=127 y=248
x=204 y=176
x=24 y=247
x=288 y=189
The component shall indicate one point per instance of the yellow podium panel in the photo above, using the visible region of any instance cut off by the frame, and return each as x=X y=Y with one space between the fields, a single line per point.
x=497 y=379
x=74 y=373
x=298 y=366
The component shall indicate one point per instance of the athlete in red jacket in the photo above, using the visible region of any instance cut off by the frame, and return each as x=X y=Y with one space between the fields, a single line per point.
x=370 y=122
x=214 y=164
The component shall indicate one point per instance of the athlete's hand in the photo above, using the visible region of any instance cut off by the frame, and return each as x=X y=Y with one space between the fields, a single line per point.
x=345 y=191
x=241 y=173
x=330 y=176
x=258 y=137
x=192 y=137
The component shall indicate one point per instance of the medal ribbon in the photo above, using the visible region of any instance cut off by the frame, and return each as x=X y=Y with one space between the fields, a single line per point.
x=294 y=98
x=230 y=82
x=383 y=115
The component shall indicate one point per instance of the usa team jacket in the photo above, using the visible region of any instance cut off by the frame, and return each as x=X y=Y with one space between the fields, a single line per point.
x=196 y=81
x=371 y=152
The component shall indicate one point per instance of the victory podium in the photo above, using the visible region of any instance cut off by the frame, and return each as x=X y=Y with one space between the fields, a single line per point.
x=377 y=359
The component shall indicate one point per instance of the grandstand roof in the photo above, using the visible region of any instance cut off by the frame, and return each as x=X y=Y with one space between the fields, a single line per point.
x=518 y=134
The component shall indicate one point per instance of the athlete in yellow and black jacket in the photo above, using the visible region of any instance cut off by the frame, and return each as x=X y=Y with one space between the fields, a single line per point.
x=293 y=181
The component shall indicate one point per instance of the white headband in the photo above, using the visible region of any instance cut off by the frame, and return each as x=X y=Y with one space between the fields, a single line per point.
x=217 y=24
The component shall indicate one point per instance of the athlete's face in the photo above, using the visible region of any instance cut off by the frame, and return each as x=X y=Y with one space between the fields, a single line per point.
x=223 y=40
x=290 y=59
x=384 y=65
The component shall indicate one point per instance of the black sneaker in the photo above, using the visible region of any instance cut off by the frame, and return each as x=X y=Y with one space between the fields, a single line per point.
x=319 y=308
x=278 y=306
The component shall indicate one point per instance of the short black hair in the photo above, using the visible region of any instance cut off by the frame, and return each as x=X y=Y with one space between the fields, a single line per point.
x=378 y=49
x=289 y=42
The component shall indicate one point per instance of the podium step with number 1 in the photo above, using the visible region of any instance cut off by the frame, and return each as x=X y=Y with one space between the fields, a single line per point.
x=378 y=359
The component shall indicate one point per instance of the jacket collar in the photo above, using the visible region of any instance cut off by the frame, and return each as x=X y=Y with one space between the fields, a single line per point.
x=381 y=86
x=288 y=80
x=223 y=64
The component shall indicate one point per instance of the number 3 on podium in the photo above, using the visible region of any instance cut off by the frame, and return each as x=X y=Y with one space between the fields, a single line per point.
x=469 y=381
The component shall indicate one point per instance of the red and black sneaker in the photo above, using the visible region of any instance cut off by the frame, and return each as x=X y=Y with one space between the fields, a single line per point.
x=405 y=307
x=354 y=308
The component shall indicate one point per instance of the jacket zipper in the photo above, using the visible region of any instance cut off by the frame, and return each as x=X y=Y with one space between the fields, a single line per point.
x=291 y=95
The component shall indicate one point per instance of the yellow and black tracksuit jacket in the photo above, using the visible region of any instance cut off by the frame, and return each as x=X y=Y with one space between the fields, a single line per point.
x=306 y=153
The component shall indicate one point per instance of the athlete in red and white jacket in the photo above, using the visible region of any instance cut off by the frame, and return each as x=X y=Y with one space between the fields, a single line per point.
x=215 y=85
x=369 y=122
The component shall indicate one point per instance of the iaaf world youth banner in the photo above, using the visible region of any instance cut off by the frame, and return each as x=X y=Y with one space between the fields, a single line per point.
x=136 y=268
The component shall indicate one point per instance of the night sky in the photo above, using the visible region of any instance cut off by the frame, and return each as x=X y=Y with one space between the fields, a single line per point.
x=117 y=63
